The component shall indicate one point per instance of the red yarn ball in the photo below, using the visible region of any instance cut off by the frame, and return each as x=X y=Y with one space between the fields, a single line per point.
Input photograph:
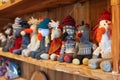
x=68 y=58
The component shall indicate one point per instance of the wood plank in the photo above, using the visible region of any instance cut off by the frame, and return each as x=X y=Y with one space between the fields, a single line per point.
x=64 y=67
x=115 y=2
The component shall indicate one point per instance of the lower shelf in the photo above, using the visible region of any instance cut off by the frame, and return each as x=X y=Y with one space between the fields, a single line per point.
x=65 y=67
x=13 y=79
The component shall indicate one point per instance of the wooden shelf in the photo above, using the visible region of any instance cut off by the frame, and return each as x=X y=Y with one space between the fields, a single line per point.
x=64 y=67
x=14 y=79
x=20 y=7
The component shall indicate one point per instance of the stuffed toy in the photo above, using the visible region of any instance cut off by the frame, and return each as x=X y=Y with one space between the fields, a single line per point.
x=17 y=28
x=34 y=42
x=56 y=41
x=103 y=37
x=3 y=40
x=8 y=29
x=43 y=37
x=68 y=43
x=25 y=38
x=84 y=47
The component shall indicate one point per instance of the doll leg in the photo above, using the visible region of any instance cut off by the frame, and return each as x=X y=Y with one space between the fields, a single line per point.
x=106 y=65
x=18 y=51
x=32 y=54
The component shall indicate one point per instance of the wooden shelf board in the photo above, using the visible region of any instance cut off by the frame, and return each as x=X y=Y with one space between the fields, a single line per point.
x=20 y=7
x=13 y=79
x=64 y=67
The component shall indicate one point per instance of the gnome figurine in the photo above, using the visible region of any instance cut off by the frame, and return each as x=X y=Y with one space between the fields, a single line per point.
x=17 y=28
x=68 y=43
x=43 y=37
x=103 y=37
x=8 y=29
x=25 y=38
x=56 y=41
x=84 y=47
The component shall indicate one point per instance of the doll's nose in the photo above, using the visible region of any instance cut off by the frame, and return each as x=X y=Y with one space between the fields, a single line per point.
x=79 y=35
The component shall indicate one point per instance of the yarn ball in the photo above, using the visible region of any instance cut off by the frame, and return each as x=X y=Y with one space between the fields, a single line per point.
x=61 y=59
x=76 y=61
x=68 y=58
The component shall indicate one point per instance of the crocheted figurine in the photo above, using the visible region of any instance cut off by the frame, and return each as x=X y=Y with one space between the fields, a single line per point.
x=56 y=41
x=34 y=42
x=25 y=38
x=84 y=47
x=3 y=40
x=43 y=37
x=68 y=44
x=8 y=29
x=17 y=28
x=103 y=37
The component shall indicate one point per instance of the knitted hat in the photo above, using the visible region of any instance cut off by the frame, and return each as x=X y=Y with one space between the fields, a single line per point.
x=68 y=21
x=106 y=15
x=44 y=24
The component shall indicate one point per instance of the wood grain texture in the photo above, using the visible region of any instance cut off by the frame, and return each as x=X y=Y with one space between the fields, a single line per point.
x=63 y=67
x=115 y=2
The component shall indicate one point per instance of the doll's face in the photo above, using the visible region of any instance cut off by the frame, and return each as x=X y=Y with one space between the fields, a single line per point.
x=105 y=23
x=69 y=29
x=55 y=33
x=8 y=31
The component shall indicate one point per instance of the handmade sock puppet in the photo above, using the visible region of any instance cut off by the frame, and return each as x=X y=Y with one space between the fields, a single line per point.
x=25 y=38
x=3 y=40
x=84 y=47
x=17 y=28
x=68 y=43
x=43 y=37
x=56 y=41
x=34 y=42
x=103 y=37
x=8 y=29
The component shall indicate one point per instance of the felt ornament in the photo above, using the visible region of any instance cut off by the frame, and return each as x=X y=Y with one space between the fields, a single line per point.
x=103 y=37
x=43 y=37
x=68 y=48
x=34 y=42
x=25 y=38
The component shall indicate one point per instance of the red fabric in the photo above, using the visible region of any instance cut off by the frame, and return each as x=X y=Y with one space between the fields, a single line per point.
x=69 y=21
x=28 y=31
x=17 y=44
x=55 y=46
x=39 y=36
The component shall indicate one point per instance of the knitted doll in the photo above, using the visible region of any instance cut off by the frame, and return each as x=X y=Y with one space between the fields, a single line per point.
x=84 y=47
x=17 y=28
x=68 y=44
x=34 y=42
x=43 y=36
x=25 y=38
x=56 y=41
x=103 y=37
x=8 y=29
x=3 y=40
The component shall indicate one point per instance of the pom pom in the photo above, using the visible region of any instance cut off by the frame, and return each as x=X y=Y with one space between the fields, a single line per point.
x=79 y=35
x=76 y=61
x=68 y=58
x=22 y=33
x=85 y=61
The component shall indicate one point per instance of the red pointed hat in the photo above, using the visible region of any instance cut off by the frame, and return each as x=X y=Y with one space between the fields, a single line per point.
x=68 y=21
x=106 y=15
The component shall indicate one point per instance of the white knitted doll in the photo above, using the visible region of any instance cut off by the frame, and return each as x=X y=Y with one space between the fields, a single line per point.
x=34 y=42
x=103 y=37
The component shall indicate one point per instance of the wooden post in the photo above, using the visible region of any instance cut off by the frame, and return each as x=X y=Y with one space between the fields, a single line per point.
x=116 y=34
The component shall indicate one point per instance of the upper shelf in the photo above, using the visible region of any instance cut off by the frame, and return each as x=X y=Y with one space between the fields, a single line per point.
x=15 y=8
x=65 y=67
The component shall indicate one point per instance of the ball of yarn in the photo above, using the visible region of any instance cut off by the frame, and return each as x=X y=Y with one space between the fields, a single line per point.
x=61 y=58
x=53 y=57
x=76 y=61
x=68 y=58
x=85 y=61
x=44 y=56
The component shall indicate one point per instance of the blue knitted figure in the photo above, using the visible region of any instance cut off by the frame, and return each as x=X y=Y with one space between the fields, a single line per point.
x=25 y=38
